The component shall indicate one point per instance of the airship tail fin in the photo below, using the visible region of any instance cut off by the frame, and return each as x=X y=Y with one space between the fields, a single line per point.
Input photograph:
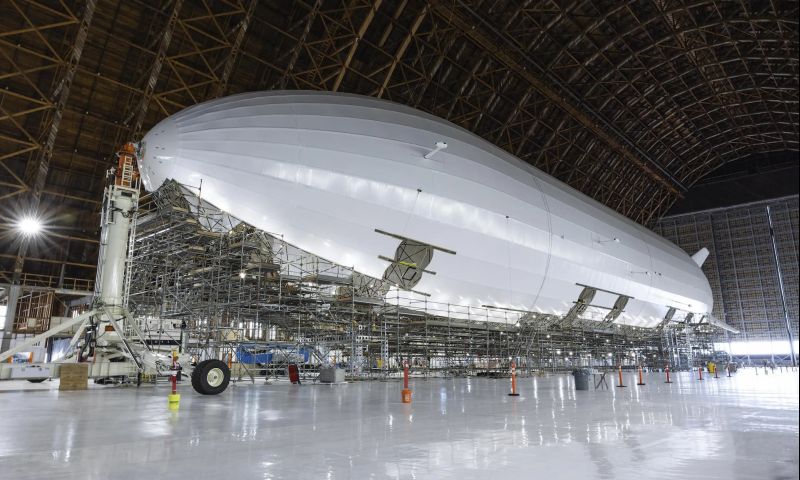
x=700 y=257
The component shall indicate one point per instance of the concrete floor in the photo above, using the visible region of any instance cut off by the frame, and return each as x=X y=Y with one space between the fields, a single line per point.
x=727 y=428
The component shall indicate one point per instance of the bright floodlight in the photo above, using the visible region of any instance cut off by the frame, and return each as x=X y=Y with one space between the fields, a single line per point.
x=30 y=226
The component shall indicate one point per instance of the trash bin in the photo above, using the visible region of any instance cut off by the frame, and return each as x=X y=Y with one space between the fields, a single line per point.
x=581 y=378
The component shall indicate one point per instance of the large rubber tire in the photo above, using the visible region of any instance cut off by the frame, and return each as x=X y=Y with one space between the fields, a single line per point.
x=211 y=377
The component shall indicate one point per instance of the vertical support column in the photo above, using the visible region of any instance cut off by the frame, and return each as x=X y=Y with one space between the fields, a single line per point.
x=121 y=201
x=736 y=279
x=783 y=292
x=715 y=259
x=759 y=270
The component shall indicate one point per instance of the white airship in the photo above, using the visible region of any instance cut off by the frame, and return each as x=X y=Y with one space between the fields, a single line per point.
x=402 y=195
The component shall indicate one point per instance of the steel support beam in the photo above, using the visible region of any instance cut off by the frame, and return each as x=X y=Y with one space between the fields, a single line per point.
x=155 y=70
x=61 y=92
x=362 y=30
x=298 y=47
x=590 y=122
x=42 y=165
x=233 y=55
x=402 y=49
x=786 y=318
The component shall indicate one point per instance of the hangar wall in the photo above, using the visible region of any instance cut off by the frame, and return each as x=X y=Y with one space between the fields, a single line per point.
x=742 y=265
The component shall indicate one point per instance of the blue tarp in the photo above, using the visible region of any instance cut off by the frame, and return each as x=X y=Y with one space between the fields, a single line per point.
x=245 y=356
x=245 y=352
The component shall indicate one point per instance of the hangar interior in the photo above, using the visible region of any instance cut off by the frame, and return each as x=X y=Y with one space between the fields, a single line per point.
x=681 y=116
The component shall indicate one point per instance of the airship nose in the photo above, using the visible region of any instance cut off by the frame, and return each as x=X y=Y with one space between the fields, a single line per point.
x=159 y=147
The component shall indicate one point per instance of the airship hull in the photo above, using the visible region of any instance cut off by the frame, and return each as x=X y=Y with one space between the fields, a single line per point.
x=355 y=180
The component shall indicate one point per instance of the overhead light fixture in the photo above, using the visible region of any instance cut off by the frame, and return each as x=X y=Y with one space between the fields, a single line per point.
x=29 y=226
x=242 y=275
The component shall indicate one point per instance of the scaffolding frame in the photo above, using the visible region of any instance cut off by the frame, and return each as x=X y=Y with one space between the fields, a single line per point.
x=203 y=282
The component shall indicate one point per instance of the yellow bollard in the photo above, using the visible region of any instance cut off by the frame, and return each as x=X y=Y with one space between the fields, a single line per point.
x=174 y=400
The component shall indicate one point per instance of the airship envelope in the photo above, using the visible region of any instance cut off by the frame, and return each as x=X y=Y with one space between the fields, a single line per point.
x=402 y=195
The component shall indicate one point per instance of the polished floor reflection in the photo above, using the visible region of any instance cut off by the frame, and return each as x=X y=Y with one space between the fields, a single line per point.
x=727 y=428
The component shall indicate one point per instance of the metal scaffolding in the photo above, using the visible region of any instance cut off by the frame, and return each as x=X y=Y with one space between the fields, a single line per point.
x=202 y=281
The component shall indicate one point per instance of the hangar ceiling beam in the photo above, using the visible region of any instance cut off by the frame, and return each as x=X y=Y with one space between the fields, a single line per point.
x=37 y=170
x=155 y=70
x=236 y=46
x=591 y=122
x=298 y=47
x=402 y=49
x=23 y=101
x=354 y=45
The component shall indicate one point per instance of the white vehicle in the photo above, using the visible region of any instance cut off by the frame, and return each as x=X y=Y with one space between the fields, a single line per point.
x=430 y=207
